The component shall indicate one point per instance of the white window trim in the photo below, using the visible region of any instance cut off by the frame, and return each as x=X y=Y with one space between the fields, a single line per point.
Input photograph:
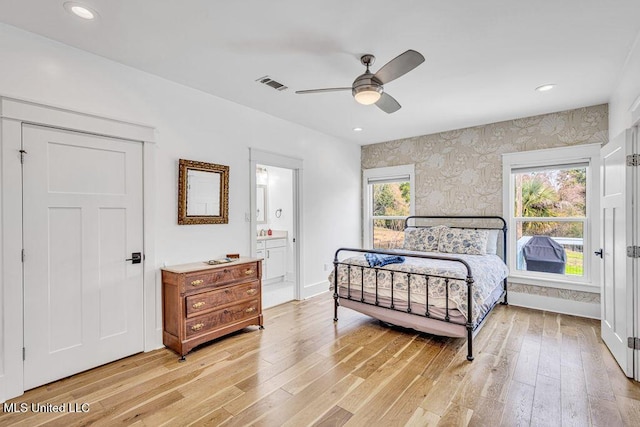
x=590 y=153
x=380 y=173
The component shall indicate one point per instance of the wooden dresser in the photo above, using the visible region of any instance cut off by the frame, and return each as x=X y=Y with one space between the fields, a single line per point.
x=201 y=302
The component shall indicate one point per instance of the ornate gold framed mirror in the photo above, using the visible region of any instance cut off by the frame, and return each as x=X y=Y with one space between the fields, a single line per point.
x=203 y=193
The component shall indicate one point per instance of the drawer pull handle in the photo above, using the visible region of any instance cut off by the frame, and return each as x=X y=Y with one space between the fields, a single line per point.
x=197 y=282
x=197 y=326
x=248 y=272
x=199 y=304
x=251 y=291
x=250 y=310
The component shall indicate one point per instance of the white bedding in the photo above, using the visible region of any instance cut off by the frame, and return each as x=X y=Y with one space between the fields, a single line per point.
x=488 y=271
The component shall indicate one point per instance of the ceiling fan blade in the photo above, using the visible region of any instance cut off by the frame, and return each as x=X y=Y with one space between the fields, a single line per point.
x=388 y=103
x=399 y=66
x=329 y=89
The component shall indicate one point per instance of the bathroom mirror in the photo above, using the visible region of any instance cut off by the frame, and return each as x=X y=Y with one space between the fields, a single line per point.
x=261 y=204
x=203 y=193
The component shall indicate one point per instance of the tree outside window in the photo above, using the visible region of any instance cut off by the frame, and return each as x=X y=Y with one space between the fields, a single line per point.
x=553 y=203
x=391 y=205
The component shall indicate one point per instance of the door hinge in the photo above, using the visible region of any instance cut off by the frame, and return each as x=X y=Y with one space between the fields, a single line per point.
x=633 y=251
x=633 y=343
x=22 y=153
x=22 y=255
x=633 y=160
x=24 y=354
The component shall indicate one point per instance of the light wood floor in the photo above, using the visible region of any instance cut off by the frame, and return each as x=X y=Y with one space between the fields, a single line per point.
x=531 y=368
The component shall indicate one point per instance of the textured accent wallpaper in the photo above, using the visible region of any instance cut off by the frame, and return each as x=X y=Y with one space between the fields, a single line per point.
x=460 y=172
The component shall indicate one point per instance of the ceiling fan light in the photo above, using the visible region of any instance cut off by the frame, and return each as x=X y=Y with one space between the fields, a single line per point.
x=368 y=96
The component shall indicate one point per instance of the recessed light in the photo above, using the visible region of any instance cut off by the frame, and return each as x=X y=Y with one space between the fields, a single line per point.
x=546 y=87
x=80 y=10
x=357 y=129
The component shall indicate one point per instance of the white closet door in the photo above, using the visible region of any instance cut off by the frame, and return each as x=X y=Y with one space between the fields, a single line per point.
x=83 y=303
x=616 y=273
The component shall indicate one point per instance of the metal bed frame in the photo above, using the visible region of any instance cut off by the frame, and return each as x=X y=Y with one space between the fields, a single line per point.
x=471 y=327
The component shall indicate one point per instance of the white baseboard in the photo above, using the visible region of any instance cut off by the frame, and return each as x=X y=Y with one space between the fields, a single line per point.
x=556 y=305
x=314 y=289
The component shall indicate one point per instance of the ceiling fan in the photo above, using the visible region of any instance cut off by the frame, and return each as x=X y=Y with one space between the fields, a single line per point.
x=368 y=88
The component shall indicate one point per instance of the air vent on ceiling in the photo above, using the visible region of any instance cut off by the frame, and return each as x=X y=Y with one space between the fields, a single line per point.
x=266 y=80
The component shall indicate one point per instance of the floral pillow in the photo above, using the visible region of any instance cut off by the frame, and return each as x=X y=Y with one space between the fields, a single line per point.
x=423 y=239
x=460 y=241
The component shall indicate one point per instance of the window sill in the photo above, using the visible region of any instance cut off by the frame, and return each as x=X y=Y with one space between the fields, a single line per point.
x=551 y=283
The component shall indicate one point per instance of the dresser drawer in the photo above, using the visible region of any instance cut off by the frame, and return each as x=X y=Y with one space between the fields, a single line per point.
x=213 y=320
x=219 y=277
x=207 y=301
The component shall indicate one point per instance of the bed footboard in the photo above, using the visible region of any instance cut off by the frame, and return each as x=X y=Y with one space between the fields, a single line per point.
x=429 y=316
x=425 y=310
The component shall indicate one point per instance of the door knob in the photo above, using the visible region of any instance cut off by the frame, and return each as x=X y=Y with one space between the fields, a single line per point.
x=598 y=253
x=136 y=258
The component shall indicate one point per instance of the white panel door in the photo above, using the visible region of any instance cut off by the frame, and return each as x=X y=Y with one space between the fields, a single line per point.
x=83 y=303
x=616 y=273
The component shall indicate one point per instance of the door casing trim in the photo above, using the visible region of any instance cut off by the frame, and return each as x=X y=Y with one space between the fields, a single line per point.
x=257 y=156
x=13 y=114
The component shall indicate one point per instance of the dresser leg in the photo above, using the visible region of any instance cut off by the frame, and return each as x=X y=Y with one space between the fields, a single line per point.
x=182 y=359
x=260 y=327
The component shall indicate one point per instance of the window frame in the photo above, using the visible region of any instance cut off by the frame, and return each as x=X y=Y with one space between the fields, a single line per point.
x=545 y=158
x=377 y=174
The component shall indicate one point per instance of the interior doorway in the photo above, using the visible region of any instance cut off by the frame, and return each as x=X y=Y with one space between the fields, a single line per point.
x=275 y=224
x=16 y=274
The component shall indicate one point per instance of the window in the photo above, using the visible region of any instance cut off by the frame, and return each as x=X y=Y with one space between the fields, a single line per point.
x=388 y=201
x=551 y=204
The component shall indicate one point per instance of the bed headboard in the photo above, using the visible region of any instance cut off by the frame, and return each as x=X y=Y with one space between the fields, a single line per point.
x=465 y=222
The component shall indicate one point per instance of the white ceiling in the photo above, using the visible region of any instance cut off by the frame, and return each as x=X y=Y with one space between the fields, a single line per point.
x=483 y=58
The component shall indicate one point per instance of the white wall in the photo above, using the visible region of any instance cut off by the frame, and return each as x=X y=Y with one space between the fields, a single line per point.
x=196 y=126
x=192 y=125
x=626 y=93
